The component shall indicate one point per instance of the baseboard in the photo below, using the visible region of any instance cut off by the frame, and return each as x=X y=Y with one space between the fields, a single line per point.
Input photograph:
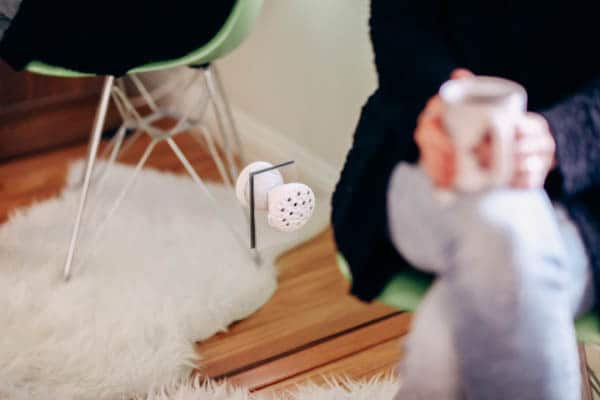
x=262 y=142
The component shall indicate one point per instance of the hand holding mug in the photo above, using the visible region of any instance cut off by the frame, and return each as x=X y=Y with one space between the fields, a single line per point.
x=437 y=153
x=534 y=151
x=478 y=136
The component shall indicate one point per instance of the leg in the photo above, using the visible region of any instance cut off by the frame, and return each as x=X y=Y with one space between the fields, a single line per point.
x=213 y=202
x=415 y=218
x=113 y=147
x=137 y=134
x=119 y=199
x=212 y=149
x=429 y=369
x=109 y=149
x=93 y=150
x=229 y=114
x=217 y=100
x=508 y=293
x=511 y=289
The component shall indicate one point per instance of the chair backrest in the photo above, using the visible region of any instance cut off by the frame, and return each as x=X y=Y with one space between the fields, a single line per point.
x=234 y=31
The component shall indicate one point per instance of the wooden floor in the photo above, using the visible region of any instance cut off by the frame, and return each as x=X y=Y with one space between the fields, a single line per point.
x=310 y=329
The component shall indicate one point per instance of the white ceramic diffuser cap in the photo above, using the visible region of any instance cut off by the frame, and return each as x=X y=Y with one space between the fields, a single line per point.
x=290 y=206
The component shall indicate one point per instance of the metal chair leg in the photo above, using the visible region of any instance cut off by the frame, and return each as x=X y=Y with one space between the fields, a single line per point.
x=110 y=146
x=110 y=153
x=92 y=152
x=212 y=149
x=118 y=201
x=217 y=101
x=212 y=201
x=138 y=133
x=234 y=130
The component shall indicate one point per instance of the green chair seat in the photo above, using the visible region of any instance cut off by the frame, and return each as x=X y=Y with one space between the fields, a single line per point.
x=236 y=28
x=405 y=291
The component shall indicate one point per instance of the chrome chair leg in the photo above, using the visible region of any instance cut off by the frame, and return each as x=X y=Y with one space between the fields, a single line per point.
x=117 y=202
x=220 y=114
x=138 y=133
x=110 y=152
x=91 y=158
x=212 y=201
x=212 y=149
x=234 y=130
x=110 y=146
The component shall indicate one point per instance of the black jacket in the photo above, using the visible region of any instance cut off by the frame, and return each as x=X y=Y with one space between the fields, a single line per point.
x=549 y=46
x=110 y=36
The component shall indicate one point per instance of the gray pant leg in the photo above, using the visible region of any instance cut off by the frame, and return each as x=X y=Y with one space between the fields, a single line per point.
x=509 y=288
x=430 y=366
x=509 y=282
x=414 y=219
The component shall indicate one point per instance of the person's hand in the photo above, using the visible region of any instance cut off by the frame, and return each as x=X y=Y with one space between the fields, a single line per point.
x=533 y=152
x=437 y=155
x=534 y=149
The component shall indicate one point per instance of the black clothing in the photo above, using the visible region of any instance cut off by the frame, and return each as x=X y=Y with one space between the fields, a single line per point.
x=109 y=37
x=548 y=46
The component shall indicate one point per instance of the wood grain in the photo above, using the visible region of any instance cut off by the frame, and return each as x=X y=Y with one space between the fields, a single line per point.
x=325 y=352
x=586 y=388
x=378 y=361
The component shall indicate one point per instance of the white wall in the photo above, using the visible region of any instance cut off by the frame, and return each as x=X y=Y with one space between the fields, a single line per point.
x=305 y=72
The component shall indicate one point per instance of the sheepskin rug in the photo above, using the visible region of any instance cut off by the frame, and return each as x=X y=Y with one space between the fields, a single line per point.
x=378 y=388
x=164 y=274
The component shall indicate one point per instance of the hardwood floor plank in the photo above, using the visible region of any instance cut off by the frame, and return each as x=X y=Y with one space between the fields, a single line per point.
x=586 y=388
x=312 y=302
x=380 y=360
x=323 y=353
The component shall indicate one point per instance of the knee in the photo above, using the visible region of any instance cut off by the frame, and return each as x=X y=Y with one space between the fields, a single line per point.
x=411 y=214
x=507 y=252
x=409 y=198
x=407 y=186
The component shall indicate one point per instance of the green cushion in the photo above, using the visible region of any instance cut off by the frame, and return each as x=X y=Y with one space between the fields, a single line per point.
x=233 y=32
x=407 y=288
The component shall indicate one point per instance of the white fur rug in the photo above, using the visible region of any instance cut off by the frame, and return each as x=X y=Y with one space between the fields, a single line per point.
x=375 y=389
x=165 y=275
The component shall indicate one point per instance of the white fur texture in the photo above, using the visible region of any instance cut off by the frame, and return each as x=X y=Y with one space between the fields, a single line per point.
x=165 y=275
x=378 y=388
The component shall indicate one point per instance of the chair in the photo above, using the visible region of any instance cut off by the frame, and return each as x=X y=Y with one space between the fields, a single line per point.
x=407 y=288
x=231 y=34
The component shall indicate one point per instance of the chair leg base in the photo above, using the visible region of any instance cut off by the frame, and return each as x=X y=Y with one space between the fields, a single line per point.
x=145 y=124
x=91 y=158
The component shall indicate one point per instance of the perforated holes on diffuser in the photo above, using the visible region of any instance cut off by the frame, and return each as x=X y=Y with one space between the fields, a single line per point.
x=290 y=206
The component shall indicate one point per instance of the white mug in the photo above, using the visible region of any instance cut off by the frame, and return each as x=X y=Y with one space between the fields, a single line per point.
x=473 y=108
